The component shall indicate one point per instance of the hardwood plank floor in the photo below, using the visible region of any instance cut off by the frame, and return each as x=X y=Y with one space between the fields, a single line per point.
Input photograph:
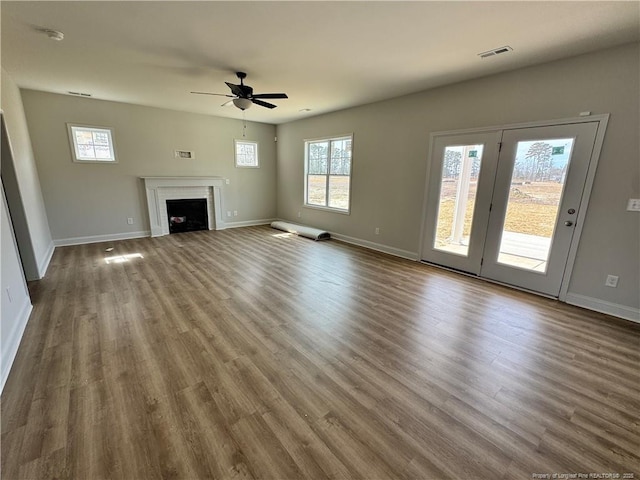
x=250 y=353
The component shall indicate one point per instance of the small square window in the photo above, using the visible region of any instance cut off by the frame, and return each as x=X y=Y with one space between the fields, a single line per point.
x=92 y=144
x=246 y=154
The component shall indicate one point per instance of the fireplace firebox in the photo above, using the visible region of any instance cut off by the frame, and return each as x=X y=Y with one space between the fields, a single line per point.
x=187 y=215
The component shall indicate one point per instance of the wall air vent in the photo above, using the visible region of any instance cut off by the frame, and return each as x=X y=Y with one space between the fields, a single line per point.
x=495 y=51
x=185 y=154
x=79 y=94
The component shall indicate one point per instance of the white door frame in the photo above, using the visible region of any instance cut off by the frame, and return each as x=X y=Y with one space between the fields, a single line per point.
x=602 y=120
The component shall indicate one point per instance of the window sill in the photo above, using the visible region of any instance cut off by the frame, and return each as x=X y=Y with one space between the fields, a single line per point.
x=105 y=162
x=327 y=209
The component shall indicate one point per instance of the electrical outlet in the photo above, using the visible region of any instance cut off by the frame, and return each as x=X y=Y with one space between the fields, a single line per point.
x=228 y=213
x=611 y=281
x=130 y=221
x=377 y=230
x=227 y=181
x=235 y=213
x=633 y=205
x=299 y=214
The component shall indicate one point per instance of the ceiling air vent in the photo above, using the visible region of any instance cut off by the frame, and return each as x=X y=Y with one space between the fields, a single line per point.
x=495 y=51
x=79 y=94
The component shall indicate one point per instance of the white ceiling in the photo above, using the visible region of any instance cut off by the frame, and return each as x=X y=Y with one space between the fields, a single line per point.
x=325 y=55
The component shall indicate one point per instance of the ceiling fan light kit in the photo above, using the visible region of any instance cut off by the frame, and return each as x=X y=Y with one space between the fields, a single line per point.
x=242 y=103
x=243 y=95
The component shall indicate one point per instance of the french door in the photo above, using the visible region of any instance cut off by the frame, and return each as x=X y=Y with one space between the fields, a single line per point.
x=503 y=204
x=459 y=197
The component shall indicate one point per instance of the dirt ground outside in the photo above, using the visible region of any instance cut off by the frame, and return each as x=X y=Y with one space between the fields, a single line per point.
x=338 y=190
x=532 y=209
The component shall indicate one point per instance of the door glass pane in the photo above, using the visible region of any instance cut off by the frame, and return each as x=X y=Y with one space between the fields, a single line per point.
x=460 y=171
x=537 y=184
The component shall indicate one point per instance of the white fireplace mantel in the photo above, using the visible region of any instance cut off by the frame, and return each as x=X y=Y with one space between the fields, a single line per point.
x=161 y=189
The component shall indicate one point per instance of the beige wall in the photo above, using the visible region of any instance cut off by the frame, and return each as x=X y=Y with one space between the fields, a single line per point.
x=91 y=201
x=391 y=141
x=22 y=185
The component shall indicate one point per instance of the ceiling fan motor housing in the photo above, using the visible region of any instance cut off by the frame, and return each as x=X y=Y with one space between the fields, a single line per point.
x=244 y=96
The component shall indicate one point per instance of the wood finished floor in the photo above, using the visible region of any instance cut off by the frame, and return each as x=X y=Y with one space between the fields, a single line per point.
x=249 y=353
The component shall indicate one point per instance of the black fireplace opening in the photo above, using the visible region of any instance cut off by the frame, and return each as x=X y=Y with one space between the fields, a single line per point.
x=187 y=215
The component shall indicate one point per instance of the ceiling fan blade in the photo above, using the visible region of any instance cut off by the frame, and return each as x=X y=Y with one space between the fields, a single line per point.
x=216 y=94
x=270 y=95
x=263 y=104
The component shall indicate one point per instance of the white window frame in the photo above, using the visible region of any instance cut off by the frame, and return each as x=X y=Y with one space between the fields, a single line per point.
x=75 y=152
x=246 y=142
x=307 y=142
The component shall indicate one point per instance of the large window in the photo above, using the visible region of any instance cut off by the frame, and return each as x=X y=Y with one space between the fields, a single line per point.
x=91 y=144
x=328 y=173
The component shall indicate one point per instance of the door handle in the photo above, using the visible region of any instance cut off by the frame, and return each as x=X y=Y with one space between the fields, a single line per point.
x=568 y=223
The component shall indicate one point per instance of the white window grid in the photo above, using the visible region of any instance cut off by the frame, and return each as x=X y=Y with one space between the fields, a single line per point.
x=337 y=162
x=92 y=144
x=246 y=154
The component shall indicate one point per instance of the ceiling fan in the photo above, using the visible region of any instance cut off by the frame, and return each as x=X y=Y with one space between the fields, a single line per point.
x=243 y=95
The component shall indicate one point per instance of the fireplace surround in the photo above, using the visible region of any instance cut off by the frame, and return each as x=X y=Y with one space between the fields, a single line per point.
x=160 y=189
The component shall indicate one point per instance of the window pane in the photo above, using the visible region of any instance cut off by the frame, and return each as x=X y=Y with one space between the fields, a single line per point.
x=318 y=158
x=328 y=172
x=536 y=189
x=340 y=166
x=317 y=190
x=92 y=144
x=246 y=154
x=84 y=137
x=341 y=157
x=102 y=152
x=86 y=151
x=100 y=138
x=460 y=172
x=339 y=191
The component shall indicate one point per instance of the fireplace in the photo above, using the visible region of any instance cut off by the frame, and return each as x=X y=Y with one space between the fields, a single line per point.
x=187 y=215
x=160 y=189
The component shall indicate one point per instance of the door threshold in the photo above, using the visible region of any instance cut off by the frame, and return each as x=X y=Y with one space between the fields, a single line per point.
x=489 y=280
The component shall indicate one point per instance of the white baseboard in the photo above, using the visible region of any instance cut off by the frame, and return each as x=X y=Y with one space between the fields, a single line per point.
x=367 y=244
x=614 y=309
x=43 y=264
x=247 y=223
x=63 y=242
x=13 y=340
x=590 y=303
x=376 y=246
